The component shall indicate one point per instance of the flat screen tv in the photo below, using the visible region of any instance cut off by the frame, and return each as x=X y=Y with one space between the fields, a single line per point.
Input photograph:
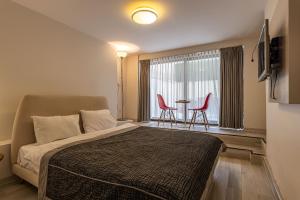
x=264 y=52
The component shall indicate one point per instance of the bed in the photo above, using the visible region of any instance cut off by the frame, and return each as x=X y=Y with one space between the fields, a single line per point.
x=125 y=162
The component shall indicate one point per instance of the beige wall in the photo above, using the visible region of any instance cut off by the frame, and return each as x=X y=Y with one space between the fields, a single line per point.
x=283 y=147
x=254 y=92
x=283 y=128
x=284 y=22
x=41 y=56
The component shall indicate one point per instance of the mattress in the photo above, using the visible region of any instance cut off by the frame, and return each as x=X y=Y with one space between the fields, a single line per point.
x=30 y=155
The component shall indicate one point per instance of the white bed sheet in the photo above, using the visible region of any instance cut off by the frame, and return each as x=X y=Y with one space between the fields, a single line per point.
x=30 y=155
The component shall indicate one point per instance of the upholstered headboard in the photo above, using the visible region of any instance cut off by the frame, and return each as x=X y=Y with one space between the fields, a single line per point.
x=23 y=131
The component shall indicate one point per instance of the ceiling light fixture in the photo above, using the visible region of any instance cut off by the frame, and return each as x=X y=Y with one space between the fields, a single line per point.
x=144 y=15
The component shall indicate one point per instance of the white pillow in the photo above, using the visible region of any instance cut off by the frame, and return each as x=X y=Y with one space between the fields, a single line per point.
x=97 y=120
x=48 y=129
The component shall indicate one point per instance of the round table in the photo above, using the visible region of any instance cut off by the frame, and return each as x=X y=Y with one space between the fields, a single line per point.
x=184 y=102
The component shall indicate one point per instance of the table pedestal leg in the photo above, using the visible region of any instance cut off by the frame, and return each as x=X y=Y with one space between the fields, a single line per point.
x=185 y=115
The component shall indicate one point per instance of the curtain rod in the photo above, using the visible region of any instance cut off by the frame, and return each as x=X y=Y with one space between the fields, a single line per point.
x=176 y=54
x=182 y=54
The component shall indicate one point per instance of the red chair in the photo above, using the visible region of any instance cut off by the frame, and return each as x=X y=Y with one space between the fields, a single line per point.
x=164 y=108
x=203 y=111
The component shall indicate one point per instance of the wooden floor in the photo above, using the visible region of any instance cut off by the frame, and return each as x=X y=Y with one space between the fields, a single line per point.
x=234 y=179
x=238 y=179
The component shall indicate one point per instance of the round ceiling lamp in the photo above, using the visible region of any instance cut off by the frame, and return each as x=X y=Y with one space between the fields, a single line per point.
x=144 y=15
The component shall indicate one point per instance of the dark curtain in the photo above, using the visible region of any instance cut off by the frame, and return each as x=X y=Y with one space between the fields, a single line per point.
x=232 y=88
x=144 y=91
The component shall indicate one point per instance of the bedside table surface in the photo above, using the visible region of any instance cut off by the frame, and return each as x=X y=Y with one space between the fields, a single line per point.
x=5 y=142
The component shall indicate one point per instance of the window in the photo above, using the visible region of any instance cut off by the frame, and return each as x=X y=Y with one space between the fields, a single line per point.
x=189 y=77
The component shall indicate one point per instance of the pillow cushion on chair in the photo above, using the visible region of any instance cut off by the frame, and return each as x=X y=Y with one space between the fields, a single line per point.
x=97 y=120
x=49 y=129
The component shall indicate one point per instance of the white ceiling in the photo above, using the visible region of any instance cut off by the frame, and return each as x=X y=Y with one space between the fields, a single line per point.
x=181 y=22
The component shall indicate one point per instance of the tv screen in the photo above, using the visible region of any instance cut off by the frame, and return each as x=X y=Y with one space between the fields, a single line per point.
x=264 y=53
x=261 y=57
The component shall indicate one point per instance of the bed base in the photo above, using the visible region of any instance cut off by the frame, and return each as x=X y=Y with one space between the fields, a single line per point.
x=26 y=174
x=210 y=182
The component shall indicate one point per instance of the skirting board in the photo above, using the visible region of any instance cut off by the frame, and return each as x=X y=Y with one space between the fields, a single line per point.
x=271 y=179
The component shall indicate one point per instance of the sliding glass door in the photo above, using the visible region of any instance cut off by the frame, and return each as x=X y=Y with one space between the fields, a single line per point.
x=189 y=77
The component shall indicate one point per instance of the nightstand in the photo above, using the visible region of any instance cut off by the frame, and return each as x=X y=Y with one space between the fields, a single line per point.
x=5 y=164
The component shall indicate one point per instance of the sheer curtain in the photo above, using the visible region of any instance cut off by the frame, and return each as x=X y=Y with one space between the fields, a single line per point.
x=203 y=77
x=167 y=79
x=189 y=77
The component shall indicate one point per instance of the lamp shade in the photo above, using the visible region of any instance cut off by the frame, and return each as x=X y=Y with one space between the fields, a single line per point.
x=121 y=54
